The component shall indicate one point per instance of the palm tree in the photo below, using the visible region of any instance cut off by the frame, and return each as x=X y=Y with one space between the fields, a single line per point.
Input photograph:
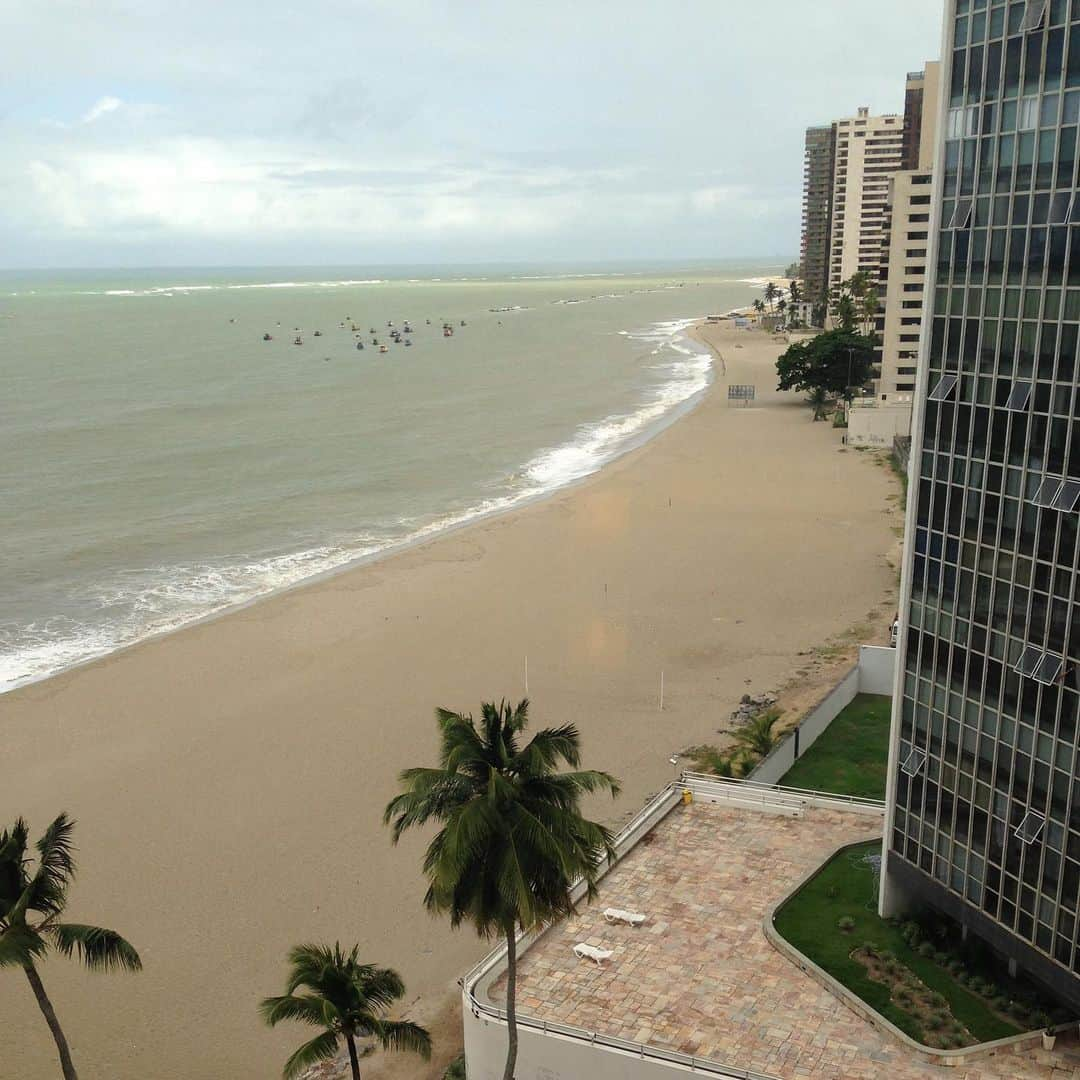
x=795 y=292
x=31 y=904
x=819 y=399
x=757 y=737
x=513 y=840
x=347 y=999
x=771 y=293
x=759 y=306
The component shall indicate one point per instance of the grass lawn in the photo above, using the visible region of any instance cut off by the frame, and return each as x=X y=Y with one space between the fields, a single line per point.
x=847 y=886
x=850 y=756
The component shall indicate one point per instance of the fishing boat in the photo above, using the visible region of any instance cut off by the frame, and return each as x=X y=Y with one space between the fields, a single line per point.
x=448 y=331
x=360 y=345
x=384 y=348
x=298 y=340
x=267 y=337
x=318 y=333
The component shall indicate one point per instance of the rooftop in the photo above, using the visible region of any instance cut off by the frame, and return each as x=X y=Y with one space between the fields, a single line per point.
x=700 y=978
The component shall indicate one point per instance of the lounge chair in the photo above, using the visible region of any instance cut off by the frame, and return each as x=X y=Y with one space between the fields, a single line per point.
x=617 y=915
x=591 y=952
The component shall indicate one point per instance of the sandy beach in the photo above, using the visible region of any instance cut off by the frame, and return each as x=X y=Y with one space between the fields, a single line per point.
x=229 y=779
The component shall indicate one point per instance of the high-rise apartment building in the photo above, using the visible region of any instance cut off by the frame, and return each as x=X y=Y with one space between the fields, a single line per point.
x=984 y=777
x=867 y=151
x=904 y=261
x=817 y=212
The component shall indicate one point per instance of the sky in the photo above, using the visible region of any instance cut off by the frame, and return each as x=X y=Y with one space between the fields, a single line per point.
x=374 y=132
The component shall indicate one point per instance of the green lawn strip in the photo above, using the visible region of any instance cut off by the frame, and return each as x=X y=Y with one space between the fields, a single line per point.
x=851 y=755
x=809 y=922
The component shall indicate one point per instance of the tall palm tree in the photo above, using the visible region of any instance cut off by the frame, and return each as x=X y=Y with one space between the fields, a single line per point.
x=771 y=293
x=32 y=902
x=347 y=1000
x=795 y=292
x=514 y=839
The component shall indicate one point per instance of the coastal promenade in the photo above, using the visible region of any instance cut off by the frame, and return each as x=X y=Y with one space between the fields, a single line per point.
x=229 y=779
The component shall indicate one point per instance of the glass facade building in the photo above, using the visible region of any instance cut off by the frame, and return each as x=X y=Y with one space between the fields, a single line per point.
x=984 y=772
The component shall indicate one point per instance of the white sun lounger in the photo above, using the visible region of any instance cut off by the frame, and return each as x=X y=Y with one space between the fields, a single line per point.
x=617 y=915
x=591 y=952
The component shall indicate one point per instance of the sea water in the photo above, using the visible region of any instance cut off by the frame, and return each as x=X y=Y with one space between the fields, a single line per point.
x=160 y=461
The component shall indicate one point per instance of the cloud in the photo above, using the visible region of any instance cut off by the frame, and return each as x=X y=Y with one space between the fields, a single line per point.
x=405 y=130
x=101 y=107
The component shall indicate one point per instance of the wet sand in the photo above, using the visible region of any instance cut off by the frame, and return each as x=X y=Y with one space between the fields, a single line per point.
x=229 y=779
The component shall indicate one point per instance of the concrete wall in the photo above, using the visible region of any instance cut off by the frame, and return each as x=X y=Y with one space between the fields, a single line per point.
x=552 y=1057
x=873 y=674
x=877 y=427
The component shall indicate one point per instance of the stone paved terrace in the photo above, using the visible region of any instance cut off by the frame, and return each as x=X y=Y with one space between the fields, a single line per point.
x=701 y=978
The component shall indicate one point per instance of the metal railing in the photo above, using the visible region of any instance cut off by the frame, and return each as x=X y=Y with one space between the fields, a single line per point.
x=645 y=819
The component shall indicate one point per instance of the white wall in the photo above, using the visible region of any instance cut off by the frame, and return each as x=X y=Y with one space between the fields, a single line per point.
x=877 y=426
x=877 y=665
x=872 y=675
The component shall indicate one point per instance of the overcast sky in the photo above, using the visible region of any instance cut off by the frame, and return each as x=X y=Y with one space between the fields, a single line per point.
x=234 y=132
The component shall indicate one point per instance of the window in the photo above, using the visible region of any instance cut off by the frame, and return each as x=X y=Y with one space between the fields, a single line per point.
x=1029 y=660
x=1033 y=16
x=1061 y=204
x=1067 y=496
x=1018 y=398
x=1049 y=669
x=1027 y=118
x=962 y=215
x=945 y=386
x=1029 y=828
x=913 y=763
x=1047 y=491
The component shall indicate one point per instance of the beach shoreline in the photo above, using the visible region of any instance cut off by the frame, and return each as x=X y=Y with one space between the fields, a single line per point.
x=237 y=767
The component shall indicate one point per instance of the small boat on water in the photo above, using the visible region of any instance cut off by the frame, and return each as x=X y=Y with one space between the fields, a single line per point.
x=298 y=340
x=384 y=348
x=318 y=333
x=267 y=337
x=360 y=345
x=448 y=331
x=408 y=341
x=462 y=322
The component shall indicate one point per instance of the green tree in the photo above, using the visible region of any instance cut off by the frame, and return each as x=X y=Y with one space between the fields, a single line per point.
x=345 y=998
x=834 y=362
x=759 y=306
x=795 y=292
x=771 y=295
x=855 y=303
x=513 y=839
x=758 y=738
x=32 y=902
x=794 y=270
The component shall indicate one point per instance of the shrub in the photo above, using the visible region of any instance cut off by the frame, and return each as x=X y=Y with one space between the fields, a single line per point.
x=954 y=965
x=903 y=996
x=977 y=985
x=911 y=932
x=845 y=924
x=1040 y=1020
x=869 y=948
x=456 y=1069
x=937 y=1001
x=925 y=949
x=936 y=1021
x=941 y=958
x=1000 y=1002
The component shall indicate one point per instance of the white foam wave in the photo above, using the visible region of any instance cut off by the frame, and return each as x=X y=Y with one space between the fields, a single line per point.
x=171 y=290
x=142 y=603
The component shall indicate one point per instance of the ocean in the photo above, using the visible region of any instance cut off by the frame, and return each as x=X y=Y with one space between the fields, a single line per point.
x=163 y=462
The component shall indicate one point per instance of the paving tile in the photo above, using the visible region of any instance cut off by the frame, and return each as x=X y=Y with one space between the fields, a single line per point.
x=700 y=976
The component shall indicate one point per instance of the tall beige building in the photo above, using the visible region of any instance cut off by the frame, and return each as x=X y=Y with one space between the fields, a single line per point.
x=868 y=150
x=904 y=261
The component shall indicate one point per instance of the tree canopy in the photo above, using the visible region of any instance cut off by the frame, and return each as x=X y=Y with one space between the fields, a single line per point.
x=834 y=362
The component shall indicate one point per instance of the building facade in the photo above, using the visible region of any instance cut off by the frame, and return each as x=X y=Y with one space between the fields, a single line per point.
x=984 y=778
x=817 y=213
x=904 y=265
x=867 y=151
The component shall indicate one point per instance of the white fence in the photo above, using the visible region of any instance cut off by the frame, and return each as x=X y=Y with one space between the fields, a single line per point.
x=873 y=674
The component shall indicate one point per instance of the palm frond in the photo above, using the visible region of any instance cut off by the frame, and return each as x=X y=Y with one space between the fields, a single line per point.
x=306 y=1008
x=321 y=1048
x=550 y=746
x=405 y=1035
x=20 y=946
x=56 y=849
x=98 y=948
x=380 y=987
